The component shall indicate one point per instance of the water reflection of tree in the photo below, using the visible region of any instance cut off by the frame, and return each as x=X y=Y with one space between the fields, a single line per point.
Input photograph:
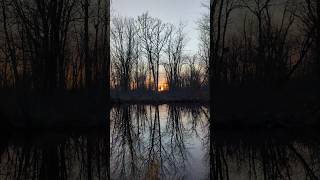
x=56 y=156
x=263 y=158
x=149 y=142
x=123 y=142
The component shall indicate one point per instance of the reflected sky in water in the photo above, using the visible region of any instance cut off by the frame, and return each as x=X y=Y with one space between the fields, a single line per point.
x=167 y=142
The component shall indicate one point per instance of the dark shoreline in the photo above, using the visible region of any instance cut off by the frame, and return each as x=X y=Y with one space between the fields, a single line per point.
x=247 y=108
x=160 y=102
x=221 y=132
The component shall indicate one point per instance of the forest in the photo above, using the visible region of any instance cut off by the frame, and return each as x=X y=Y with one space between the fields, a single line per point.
x=50 y=45
x=255 y=43
x=54 y=55
x=89 y=92
x=65 y=45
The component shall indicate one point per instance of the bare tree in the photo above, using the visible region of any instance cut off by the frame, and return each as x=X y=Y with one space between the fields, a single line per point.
x=154 y=35
x=174 y=62
x=204 y=45
x=10 y=47
x=273 y=47
x=125 y=49
x=140 y=74
x=45 y=30
x=309 y=17
x=194 y=72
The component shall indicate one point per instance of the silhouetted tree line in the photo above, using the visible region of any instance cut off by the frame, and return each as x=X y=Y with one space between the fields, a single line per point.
x=142 y=46
x=47 y=45
x=54 y=45
x=262 y=42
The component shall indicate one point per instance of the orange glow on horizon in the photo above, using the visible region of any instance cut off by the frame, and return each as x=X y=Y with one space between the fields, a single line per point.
x=162 y=87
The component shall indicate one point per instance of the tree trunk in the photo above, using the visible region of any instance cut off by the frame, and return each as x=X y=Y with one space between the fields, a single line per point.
x=88 y=73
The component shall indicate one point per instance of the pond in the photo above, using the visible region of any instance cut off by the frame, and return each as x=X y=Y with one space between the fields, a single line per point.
x=159 y=142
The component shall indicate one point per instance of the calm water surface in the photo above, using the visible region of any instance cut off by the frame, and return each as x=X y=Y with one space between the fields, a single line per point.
x=159 y=142
x=148 y=142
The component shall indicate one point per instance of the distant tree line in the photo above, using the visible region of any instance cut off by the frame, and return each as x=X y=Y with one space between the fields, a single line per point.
x=262 y=42
x=142 y=46
x=49 y=45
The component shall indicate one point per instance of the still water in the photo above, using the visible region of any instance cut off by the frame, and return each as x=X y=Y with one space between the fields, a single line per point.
x=148 y=142
x=159 y=142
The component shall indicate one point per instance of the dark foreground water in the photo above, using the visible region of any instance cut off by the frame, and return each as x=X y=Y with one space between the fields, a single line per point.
x=159 y=142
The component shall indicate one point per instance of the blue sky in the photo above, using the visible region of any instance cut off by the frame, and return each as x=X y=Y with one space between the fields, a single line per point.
x=171 y=11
